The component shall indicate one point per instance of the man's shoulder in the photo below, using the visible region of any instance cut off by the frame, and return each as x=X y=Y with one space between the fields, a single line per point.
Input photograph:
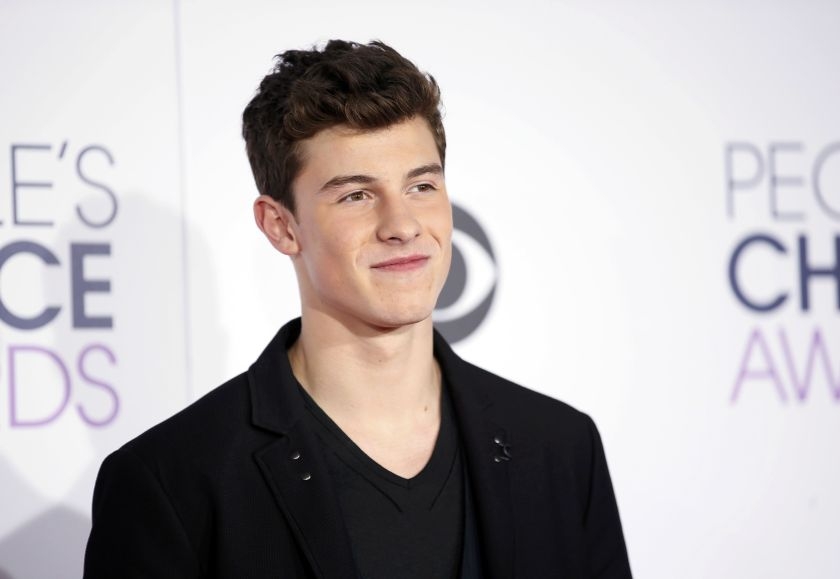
x=514 y=403
x=214 y=423
x=230 y=422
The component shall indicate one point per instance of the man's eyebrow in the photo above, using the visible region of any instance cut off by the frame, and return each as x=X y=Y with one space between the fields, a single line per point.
x=433 y=168
x=341 y=180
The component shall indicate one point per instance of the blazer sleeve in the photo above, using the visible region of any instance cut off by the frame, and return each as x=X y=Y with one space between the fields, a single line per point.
x=602 y=525
x=136 y=530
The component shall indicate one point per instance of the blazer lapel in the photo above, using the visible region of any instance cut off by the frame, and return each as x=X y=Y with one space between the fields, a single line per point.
x=293 y=465
x=489 y=456
x=301 y=484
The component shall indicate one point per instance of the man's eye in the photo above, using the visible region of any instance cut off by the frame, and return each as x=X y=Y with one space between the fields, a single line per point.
x=423 y=187
x=354 y=196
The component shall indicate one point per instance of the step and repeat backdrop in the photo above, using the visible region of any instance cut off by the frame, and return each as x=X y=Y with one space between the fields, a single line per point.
x=647 y=208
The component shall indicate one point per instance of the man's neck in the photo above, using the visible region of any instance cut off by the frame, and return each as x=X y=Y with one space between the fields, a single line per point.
x=382 y=387
x=373 y=374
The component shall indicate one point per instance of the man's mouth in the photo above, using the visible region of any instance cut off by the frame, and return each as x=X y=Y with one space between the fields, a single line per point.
x=404 y=263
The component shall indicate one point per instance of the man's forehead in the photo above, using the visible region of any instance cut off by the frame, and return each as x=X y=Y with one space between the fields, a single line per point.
x=345 y=135
x=394 y=150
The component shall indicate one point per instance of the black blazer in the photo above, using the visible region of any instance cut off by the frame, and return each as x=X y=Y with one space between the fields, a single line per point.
x=233 y=486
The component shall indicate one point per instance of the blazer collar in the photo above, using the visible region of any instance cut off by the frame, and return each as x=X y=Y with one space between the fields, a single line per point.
x=276 y=403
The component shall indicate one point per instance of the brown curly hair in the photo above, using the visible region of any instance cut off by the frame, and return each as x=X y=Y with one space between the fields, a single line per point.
x=364 y=86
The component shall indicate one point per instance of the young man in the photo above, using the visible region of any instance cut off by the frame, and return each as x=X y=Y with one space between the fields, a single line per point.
x=358 y=444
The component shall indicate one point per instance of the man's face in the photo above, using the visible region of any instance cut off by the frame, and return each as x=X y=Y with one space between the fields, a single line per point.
x=373 y=225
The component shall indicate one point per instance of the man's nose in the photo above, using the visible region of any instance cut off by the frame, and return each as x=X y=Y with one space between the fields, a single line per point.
x=397 y=221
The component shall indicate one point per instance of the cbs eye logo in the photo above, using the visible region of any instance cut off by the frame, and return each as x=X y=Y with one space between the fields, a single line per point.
x=471 y=286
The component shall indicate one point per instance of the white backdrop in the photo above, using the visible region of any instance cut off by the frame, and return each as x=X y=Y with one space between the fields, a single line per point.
x=615 y=153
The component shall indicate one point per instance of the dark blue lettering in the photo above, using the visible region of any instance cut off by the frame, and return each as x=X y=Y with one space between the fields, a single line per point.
x=733 y=271
x=82 y=286
x=49 y=313
x=806 y=272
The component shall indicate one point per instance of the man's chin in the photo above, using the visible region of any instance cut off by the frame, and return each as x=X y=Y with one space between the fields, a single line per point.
x=377 y=316
x=403 y=321
x=397 y=318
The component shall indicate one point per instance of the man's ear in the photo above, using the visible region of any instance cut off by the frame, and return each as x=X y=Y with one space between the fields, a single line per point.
x=278 y=224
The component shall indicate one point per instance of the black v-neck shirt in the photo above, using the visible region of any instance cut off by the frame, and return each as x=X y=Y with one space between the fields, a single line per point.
x=398 y=528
